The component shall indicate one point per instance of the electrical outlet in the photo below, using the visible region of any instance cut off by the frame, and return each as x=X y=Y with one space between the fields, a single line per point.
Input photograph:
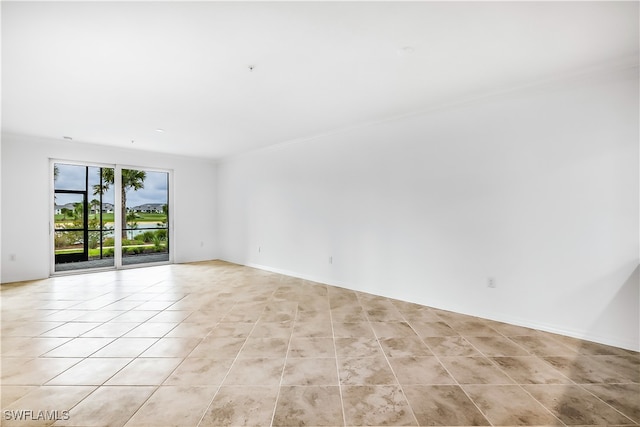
x=330 y=260
x=491 y=282
x=12 y=257
x=259 y=249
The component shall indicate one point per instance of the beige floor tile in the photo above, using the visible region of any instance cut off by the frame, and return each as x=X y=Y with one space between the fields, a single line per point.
x=575 y=406
x=514 y=330
x=451 y=346
x=92 y=371
x=272 y=330
x=432 y=329
x=474 y=370
x=384 y=315
x=530 y=370
x=30 y=347
x=353 y=330
x=404 y=346
x=279 y=311
x=624 y=397
x=241 y=406
x=540 y=345
x=154 y=305
x=171 y=347
x=420 y=370
x=30 y=329
x=588 y=348
x=99 y=316
x=598 y=369
x=311 y=347
x=194 y=371
x=11 y=393
x=125 y=347
x=473 y=328
x=393 y=330
x=177 y=406
x=313 y=316
x=170 y=316
x=509 y=405
x=283 y=349
x=79 y=347
x=255 y=372
x=135 y=316
x=190 y=330
x=145 y=371
x=150 y=330
x=34 y=371
x=233 y=330
x=243 y=314
x=312 y=329
x=64 y=315
x=349 y=314
x=417 y=313
x=310 y=371
x=53 y=401
x=376 y=405
x=496 y=346
x=71 y=329
x=108 y=406
x=214 y=347
x=110 y=330
x=311 y=406
x=264 y=347
x=443 y=405
x=357 y=347
x=365 y=371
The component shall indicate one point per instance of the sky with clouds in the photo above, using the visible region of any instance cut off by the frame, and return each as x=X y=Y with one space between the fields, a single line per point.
x=72 y=177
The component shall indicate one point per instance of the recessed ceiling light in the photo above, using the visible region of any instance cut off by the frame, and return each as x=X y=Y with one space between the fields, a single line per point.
x=160 y=130
x=68 y=138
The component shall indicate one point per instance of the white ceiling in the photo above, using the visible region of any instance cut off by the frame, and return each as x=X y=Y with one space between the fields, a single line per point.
x=113 y=72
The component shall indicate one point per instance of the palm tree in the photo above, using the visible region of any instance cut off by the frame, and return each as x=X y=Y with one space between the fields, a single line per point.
x=95 y=206
x=131 y=179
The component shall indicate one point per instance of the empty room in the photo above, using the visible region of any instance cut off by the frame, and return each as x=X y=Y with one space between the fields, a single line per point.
x=320 y=213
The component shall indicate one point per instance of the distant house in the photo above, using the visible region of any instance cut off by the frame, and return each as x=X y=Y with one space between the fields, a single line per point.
x=106 y=208
x=148 y=208
x=58 y=208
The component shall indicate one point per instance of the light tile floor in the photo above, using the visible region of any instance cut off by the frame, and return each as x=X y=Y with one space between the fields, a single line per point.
x=216 y=344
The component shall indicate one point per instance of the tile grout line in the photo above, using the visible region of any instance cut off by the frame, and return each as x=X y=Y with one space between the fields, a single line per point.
x=509 y=376
x=415 y=418
x=572 y=382
x=204 y=413
x=335 y=355
x=284 y=366
x=447 y=369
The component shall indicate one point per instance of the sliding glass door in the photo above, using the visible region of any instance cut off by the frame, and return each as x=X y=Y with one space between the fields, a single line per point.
x=108 y=216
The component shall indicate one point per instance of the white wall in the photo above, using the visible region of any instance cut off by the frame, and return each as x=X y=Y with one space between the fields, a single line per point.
x=26 y=187
x=538 y=189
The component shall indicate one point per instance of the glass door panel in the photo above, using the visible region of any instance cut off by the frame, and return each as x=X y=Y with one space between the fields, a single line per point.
x=69 y=235
x=83 y=217
x=145 y=216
